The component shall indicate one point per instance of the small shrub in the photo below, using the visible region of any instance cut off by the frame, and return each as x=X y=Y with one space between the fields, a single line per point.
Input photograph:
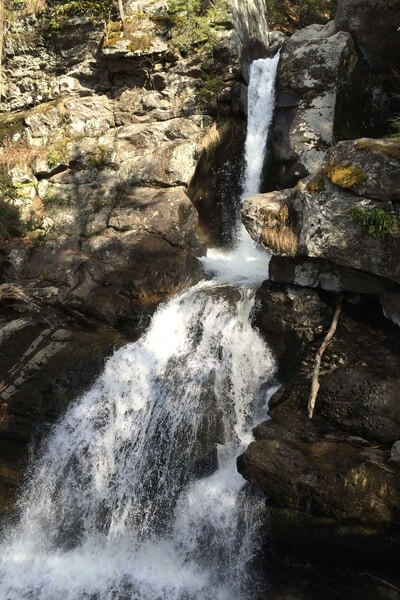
x=54 y=157
x=210 y=89
x=376 y=221
x=196 y=25
x=100 y=10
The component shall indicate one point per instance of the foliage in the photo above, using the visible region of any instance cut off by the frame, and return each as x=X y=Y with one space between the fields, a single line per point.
x=54 y=156
x=209 y=91
x=195 y=23
x=62 y=12
x=376 y=222
x=394 y=123
x=290 y=15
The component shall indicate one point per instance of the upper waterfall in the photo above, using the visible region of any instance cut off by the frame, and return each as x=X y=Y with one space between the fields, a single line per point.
x=245 y=263
x=261 y=104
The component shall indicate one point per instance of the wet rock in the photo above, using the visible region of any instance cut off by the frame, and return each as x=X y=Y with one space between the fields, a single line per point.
x=336 y=465
x=317 y=273
x=325 y=478
x=43 y=368
x=215 y=188
x=390 y=303
x=289 y=317
x=395 y=452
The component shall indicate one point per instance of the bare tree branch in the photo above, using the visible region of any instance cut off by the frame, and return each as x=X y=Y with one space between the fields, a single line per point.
x=315 y=380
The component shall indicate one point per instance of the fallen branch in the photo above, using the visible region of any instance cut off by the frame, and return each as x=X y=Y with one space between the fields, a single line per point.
x=315 y=380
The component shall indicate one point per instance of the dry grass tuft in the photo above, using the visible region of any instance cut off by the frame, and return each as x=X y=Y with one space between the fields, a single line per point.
x=35 y=7
x=283 y=241
x=211 y=138
x=14 y=154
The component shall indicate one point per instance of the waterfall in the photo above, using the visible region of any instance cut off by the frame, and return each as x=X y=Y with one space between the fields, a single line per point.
x=135 y=495
x=247 y=264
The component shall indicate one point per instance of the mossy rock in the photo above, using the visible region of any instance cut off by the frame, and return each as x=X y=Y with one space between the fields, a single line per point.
x=316 y=184
x=389 y=148
x=346 y=176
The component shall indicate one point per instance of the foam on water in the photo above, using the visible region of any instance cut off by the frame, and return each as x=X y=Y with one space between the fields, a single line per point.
x=115 y=507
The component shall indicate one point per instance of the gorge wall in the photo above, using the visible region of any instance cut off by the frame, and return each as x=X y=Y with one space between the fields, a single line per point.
x=333 y=230
x=121 y=160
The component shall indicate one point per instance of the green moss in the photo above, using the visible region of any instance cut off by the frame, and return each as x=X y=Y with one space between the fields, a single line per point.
x=375 y=222
x=210 y=89
x=346 y=176
x=316 y=184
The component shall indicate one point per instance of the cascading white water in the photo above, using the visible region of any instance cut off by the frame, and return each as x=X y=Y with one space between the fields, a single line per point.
x=247 y=263
x=136 y=494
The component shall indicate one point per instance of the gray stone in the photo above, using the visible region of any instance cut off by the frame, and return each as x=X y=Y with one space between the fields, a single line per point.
x=395 y=452
x=390 y=302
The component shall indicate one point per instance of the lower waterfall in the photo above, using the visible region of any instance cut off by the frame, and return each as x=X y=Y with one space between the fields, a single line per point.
x=136 y=494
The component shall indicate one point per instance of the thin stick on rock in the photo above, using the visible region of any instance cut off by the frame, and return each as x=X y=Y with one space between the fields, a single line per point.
x=315 y=380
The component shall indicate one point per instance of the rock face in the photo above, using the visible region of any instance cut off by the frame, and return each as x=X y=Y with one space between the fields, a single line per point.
x=341 y=223
x=332 y=224
x=379 y=45
x=99 y=173
x=339 y=464
x=316 y=87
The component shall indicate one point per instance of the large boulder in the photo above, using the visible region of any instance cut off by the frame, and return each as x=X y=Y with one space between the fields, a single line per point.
x=321 y=80
x=143 y=248
x=342 y=224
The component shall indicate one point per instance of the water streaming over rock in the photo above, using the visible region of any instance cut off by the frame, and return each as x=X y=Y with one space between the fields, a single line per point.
x=136 y=494
x=246 y=263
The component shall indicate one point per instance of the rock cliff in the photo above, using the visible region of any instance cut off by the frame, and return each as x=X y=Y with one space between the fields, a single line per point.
x=332 y=227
